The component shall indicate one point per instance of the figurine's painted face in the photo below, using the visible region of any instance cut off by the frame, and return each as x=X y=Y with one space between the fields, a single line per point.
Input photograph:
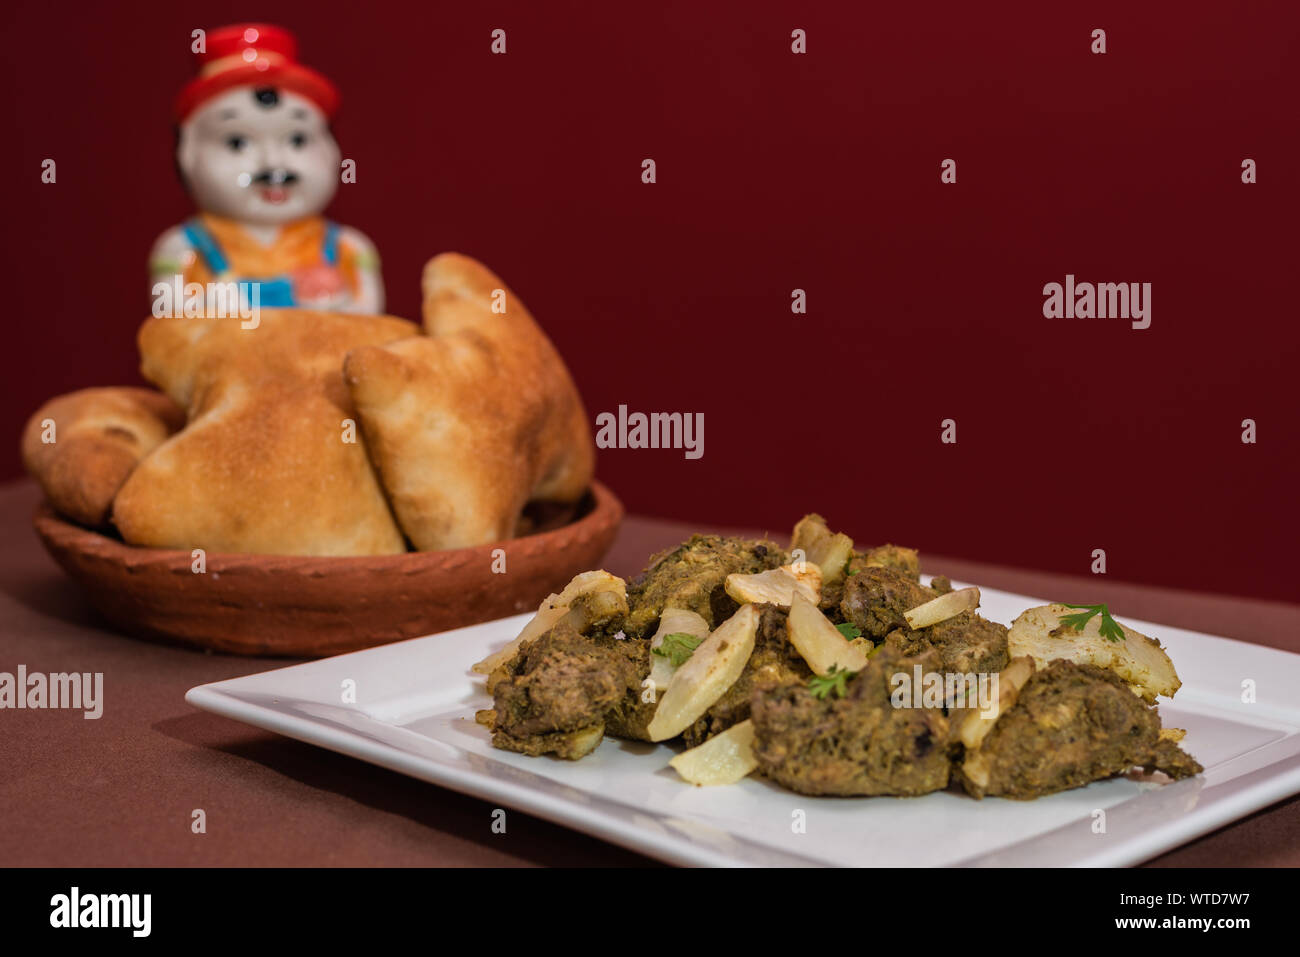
x=259 y=155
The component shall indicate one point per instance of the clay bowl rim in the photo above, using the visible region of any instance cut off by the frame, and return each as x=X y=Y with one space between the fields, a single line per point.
x=606 y=512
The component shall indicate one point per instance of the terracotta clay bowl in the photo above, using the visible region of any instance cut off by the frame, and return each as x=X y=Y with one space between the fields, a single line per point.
x=307 y=606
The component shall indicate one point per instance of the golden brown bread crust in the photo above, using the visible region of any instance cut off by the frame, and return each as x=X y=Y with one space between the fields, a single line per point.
x=469 y=423
x=262 y=466
x=99 y=436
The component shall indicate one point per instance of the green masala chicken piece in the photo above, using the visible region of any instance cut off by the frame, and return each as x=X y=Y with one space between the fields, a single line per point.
x=693 y=576
x=857 y=743
x=902 y=560
x=876 y=597
x=965 y=643
x=557 y=694
x=896 y=557
x=1071 y=724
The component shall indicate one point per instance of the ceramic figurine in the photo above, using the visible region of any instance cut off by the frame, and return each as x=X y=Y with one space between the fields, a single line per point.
x=255 y=151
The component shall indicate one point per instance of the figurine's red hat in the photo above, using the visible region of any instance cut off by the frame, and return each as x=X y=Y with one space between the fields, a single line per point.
x=253 y=53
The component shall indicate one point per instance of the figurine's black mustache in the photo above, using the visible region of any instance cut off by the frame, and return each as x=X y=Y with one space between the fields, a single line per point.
x=276 y=177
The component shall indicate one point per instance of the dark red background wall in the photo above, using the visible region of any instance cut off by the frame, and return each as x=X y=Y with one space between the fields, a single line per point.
x=777 y=171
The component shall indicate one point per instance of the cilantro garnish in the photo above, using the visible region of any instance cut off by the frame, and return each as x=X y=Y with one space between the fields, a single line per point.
x=849 y=630
x=835 y=680
x=1110 y=629
x=677 y=647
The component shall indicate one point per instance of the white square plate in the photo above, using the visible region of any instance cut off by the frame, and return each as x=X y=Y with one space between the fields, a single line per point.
x=414 y=713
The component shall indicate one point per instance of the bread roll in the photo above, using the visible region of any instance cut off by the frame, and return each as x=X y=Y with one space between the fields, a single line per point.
x=472 y=421
x=98 y=437
x=265 y=465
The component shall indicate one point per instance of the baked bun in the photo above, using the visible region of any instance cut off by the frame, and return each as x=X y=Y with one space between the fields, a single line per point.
x=99 y=437
x=268 y=463
x=475 y=419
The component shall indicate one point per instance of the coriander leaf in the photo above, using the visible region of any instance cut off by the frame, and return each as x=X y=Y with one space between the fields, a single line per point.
x=1077 y=622
x=835 y=680
x=849 y=630
x=1109 y=629
x=677 y=647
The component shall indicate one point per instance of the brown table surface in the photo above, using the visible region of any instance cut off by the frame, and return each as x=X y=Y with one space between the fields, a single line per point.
x=120 y=790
